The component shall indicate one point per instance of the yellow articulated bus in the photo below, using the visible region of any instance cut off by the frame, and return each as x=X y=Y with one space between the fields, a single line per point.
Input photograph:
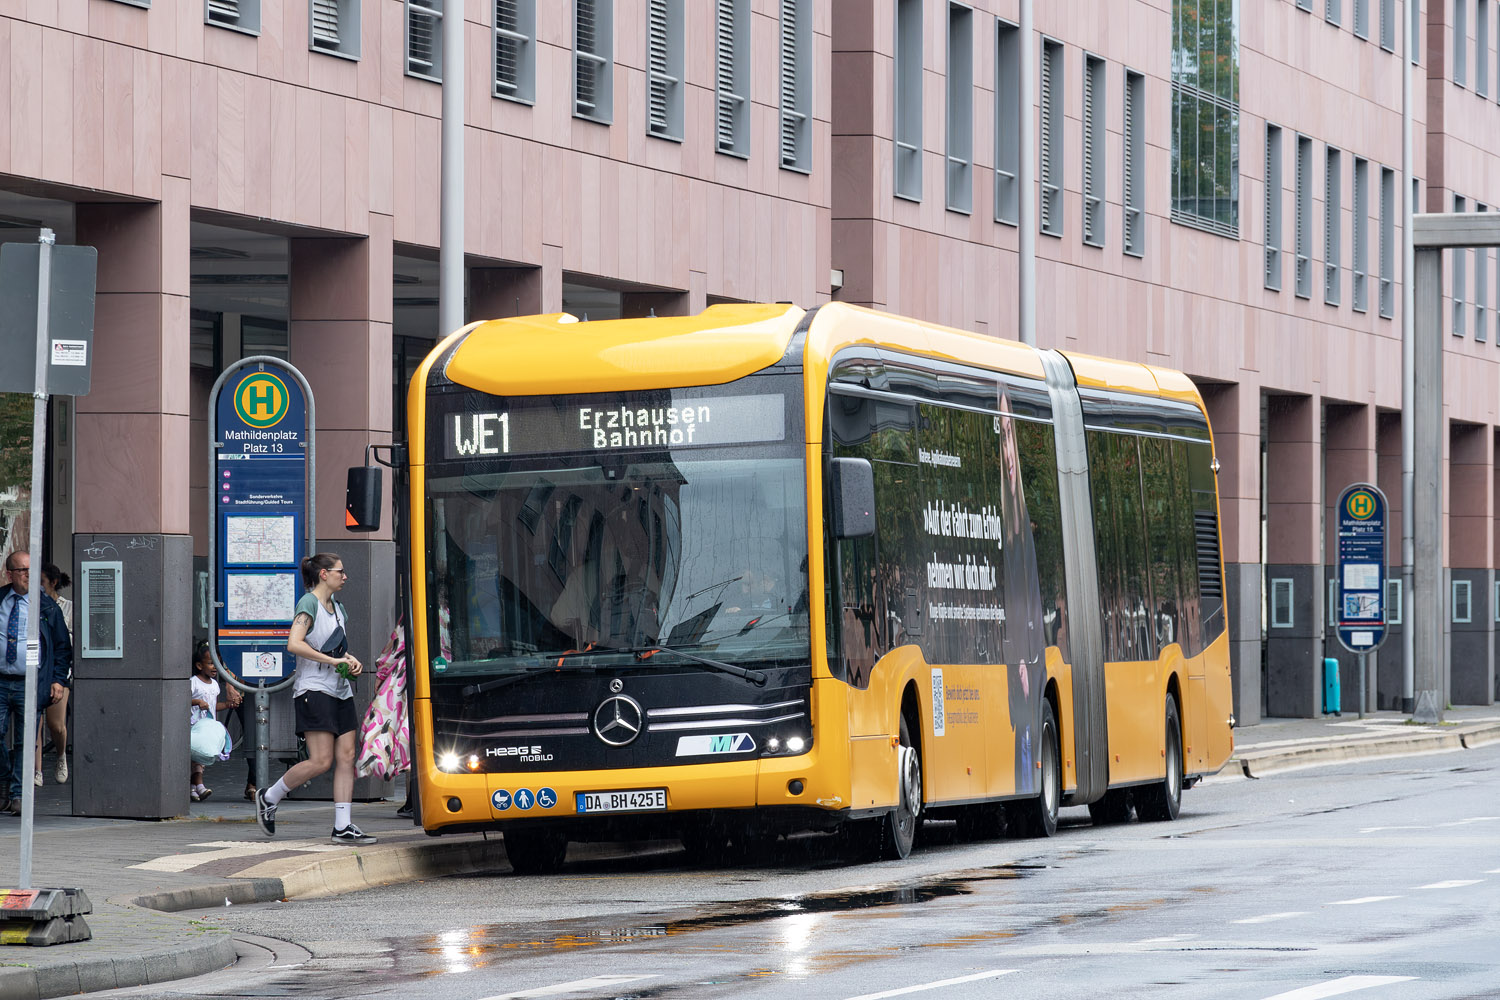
x=761 y=570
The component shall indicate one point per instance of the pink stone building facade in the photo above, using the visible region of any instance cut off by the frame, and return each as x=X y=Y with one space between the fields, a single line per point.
x=261 y=176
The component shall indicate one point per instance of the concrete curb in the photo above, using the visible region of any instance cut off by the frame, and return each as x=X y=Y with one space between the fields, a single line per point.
x=335 y=874
x=211 y=951
x=1258 y=763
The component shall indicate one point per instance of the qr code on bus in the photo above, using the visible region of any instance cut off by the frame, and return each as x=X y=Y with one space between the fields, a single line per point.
x=937 y=702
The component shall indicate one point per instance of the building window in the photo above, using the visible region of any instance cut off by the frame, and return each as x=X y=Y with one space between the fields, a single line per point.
x=594 y=60
x=237 y=15
x=1333 y=12
x=1388 y=25
x=424 y=39
x=1206 y=115
x=1482 y=48
x=960 y=108
x=515 y=50
x=732 y=77
x=1362 y=19
x=1093 y=150
x=1460 y=42
x=665 y=52
x=1282 y=615
x=796 y=85
x=1333 y=244
x=908 y=99
x=333 y=27
x=1007 y=121
x=1305 y=4
x=1481 y=288
x=1134 y=147
x=1050 y=138
x=1460 y=278
x=1414 y=9
x=1387 y=242
x=1463 y=609
x=1273 y=207
x=1302 y=209
x=1361 y=234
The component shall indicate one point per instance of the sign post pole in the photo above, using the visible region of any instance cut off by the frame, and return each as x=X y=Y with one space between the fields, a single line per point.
x=34 y=584
x=1361 y=517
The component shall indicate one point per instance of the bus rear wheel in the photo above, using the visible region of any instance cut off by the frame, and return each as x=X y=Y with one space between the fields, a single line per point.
x=1163 y=801
x=1038 y=817
x=535 y=852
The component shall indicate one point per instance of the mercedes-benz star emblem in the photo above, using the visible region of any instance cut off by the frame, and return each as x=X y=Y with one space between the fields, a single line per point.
x=617 y=720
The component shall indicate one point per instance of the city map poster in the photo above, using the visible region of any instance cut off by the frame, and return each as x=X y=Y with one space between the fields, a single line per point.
x=261 y=597
x=260 y=540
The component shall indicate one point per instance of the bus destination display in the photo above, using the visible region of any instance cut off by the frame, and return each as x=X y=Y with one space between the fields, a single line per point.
x=595 y=425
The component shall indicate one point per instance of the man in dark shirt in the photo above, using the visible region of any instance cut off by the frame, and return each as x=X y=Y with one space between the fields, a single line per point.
x=54 y=669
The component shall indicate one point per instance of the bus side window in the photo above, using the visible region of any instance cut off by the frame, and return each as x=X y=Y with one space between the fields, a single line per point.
x=1161 y=547
x=1106 y=545
x=1039 y=478
x=867 y=604
x=1206 y=537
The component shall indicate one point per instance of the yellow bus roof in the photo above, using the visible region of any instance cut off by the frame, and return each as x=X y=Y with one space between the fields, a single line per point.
x=539 y=355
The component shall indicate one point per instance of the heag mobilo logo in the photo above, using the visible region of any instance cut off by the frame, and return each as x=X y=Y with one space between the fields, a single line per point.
x=261 y=400
x=530 y=754
x=698 y=746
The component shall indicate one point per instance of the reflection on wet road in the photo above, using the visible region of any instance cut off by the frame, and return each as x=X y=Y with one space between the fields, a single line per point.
x=1372 y=880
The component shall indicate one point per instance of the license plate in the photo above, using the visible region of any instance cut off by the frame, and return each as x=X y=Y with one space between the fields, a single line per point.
x=640 y=800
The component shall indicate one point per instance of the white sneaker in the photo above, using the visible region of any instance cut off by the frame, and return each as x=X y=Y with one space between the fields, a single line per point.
x=61 y=774
x=37 y=779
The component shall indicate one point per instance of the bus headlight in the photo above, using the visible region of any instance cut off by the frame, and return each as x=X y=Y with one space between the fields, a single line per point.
x=786 y=746
x=448 y=762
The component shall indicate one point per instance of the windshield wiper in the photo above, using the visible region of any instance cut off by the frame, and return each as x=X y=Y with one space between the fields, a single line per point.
x=756 y=677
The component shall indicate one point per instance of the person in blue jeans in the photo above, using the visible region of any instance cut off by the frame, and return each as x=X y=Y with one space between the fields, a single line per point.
x=53 y=669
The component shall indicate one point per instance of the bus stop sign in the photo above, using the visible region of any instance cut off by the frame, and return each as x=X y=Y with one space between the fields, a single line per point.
x=1362 y=514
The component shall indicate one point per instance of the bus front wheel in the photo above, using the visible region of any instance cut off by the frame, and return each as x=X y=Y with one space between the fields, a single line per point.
x=1163 y=801
x=898 y=830
x=535 y=852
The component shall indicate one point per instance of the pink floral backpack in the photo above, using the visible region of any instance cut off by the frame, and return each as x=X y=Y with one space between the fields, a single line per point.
x=385 y=736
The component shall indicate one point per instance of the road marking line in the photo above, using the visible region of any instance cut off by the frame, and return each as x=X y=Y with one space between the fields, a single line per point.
x=576 y=986
x=933 y=986
x=1493 y=871
x=1266 y=918
x=1362 y=899
x=1336 y=987
x=1457 y=883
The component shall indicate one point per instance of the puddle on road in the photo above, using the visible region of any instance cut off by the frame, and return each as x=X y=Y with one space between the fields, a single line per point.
x=473 y=947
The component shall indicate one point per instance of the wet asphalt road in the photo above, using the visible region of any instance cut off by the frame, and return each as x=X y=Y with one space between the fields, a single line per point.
x=1379 y=880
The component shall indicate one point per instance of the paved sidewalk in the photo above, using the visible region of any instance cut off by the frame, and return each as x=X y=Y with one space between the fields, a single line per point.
x=138 y=873
x=1286 y=744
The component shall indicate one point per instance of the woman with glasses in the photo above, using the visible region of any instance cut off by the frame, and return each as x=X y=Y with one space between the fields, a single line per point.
x=322 y=699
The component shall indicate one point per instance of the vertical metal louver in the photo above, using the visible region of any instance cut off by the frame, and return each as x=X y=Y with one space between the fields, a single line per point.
x=421 y=38
x=507 y=46
x=792 y=57
x=587 y=69
x=325 y=23
x=1049 y=144
x=659 y=82
x=729 y=101
x=1093 y=151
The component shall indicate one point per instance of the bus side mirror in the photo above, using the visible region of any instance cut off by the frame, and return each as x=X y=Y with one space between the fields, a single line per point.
x=851 y=484
x=362 y=499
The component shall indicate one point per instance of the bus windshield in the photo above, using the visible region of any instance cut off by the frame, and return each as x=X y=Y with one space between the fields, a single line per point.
x=703 y=551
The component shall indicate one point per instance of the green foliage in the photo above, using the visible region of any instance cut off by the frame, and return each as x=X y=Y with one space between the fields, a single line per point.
x=15 y=439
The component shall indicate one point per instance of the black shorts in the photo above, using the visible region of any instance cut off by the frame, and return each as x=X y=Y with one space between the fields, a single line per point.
x=317 y=712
